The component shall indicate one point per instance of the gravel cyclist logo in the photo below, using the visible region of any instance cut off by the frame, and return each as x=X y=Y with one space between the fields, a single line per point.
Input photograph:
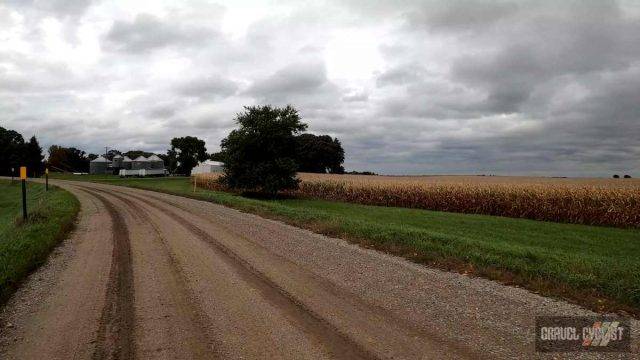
x=565 y=334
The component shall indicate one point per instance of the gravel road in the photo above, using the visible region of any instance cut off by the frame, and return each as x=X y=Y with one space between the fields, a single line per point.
x=153 y=276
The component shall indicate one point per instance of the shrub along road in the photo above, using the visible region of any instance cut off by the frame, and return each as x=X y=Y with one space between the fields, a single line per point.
x=150 y=275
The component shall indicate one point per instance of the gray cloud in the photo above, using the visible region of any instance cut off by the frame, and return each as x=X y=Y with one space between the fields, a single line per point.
x=292 y=80
x=147 y=32
x=206 y=87
x=464 y=86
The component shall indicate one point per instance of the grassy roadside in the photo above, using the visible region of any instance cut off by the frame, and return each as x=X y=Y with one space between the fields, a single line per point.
x=25 y=246
x=596 y=267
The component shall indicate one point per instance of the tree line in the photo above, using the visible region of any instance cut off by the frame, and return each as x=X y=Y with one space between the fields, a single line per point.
x=15 y=152
x=270 y=144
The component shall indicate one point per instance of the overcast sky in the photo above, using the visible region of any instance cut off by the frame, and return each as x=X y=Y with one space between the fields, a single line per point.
x=409 y=87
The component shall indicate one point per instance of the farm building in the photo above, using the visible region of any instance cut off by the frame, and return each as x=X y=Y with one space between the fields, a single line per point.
x=207 y=167
x=99 y=165
x=123 y=165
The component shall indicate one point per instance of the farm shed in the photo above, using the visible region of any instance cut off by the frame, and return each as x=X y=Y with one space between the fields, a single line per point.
x=207 y=167
x=99 y=165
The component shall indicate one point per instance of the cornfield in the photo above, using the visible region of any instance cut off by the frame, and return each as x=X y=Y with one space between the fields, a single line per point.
x=611 y=202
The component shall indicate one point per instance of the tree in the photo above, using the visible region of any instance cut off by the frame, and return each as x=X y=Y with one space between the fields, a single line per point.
x=132 y=154
x=11 y=151
x=260 y=155
x=319 y=154
x=188 y=152
x=67 y=159
x=218 y=156
x=170 y=161
x=33 y=157
x=111 y=153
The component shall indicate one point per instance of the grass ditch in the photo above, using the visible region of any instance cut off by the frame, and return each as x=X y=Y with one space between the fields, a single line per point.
x=26 y=245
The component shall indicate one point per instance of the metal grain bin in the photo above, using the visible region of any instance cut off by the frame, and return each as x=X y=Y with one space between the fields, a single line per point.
x=140 y=162
x=155 y=162
x=98 y=165
x=117 y=161
x=126 y=163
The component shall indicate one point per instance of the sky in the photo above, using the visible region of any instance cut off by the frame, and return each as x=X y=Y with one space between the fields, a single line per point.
x=547 y=88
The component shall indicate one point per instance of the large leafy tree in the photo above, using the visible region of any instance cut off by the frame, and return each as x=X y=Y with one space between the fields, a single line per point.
x=260 y=155
x=188 y=152
x=170 y=161
x=319 y=154
x=11 y=151
x=33 y=157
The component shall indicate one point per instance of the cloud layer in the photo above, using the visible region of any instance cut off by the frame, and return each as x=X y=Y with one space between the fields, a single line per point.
x=503 y=87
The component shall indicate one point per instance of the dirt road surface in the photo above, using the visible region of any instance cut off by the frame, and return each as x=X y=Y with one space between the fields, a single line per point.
x=154 y=276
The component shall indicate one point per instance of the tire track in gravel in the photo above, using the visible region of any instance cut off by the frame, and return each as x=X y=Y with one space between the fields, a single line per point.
x=338 y=344
x=114 y=338
x=326 y=286
x=194 y=314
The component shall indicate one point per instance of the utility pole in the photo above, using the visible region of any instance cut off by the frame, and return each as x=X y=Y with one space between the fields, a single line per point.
x=106 y=168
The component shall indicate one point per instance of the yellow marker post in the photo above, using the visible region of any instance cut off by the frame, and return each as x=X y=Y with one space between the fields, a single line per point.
x=23 y=178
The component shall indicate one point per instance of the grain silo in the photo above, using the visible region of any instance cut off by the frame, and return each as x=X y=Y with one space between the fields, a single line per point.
x=155 y=162
x=140 y=162
x=117 y=162
x=126 y=163
x=98 y=165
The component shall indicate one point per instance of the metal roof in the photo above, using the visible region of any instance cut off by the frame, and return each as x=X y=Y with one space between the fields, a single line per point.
x=126 y=158
x=117 y=156
x=154 y=157
x=140 y=158
x=211 y=162
x=100 y=159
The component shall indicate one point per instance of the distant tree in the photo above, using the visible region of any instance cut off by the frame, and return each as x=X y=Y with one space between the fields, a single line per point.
x=366 y=173
x=319 y=154
x=627 y=176
x=33 y=157
x=189 y=151
x=92 y=157
x=11 y=151
x=67 y=159
x=132 y=154
x=616 y=176
x=260 y=155
x=217 y=156
x=111 y=153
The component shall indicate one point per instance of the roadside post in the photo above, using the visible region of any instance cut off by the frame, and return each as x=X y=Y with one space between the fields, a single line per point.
x=12 y=174
x=46 y=179
x=195 y=183
x=23 y=177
